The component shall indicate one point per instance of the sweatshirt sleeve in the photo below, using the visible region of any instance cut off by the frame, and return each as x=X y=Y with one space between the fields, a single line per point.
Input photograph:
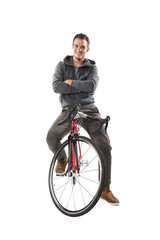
x=90 y=84
x=57 y=82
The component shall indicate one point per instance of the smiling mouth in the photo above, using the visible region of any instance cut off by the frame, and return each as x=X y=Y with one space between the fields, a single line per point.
x=79 y=54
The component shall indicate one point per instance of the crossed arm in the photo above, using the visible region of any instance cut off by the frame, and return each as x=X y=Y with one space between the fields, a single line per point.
x=72 y=86
x=68 y=81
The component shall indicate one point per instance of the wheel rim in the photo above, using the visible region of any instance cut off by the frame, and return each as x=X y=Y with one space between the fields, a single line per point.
x=74 y=192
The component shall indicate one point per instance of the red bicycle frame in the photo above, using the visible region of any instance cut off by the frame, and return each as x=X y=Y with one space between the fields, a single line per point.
x=73 y=154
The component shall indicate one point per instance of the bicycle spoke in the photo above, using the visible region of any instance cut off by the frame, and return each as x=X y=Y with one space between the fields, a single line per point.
x=84 y=188
x=86 y=152
x=62 y=185
x=70 y=194
x=63 y=191
x=89 y=171
x=89 y=180
x=82 y=193
x=74 y=198
x=88 y=163
x=57 y=178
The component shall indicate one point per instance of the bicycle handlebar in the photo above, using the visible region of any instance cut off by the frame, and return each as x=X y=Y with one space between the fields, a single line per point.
x=72 y=112
x=102 y=121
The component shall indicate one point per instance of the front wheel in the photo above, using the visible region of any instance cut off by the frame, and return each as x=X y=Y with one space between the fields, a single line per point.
x=75 y=193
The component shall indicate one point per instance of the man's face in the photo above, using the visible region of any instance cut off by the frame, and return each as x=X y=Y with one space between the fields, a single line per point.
x=80 y=48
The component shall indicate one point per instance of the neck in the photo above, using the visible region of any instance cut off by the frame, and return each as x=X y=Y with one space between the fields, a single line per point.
x=78 y=62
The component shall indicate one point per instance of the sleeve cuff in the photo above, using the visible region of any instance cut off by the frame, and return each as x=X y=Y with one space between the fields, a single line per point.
x=75 y=84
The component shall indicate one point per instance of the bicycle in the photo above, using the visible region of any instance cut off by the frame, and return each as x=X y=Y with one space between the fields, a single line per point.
x=76 y=191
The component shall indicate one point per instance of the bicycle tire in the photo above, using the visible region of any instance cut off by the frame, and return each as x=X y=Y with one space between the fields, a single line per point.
x=95 y=199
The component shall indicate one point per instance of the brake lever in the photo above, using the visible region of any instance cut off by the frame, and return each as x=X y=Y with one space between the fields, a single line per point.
x=102 y=121
x=107 y=119
x=72 y=111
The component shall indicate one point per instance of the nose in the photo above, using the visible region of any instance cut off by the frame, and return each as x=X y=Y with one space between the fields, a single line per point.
x=79 y=49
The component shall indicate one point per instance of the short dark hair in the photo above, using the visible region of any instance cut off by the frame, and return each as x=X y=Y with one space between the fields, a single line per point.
x=82 y=36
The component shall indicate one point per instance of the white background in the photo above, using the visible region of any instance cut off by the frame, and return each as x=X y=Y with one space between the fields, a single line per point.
x=125 y=43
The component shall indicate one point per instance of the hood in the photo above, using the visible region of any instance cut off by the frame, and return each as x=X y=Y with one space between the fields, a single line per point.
x=87 y=62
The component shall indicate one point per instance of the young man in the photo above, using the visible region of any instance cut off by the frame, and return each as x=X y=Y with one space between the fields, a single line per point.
x=76 y=79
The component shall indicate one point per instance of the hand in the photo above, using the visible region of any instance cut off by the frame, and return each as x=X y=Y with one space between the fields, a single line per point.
x=68 y=81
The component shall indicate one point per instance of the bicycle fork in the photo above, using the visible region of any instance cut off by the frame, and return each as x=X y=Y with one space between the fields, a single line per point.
x=74 y=159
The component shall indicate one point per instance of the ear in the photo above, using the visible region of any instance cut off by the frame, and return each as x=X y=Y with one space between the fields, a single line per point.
x=88 y=49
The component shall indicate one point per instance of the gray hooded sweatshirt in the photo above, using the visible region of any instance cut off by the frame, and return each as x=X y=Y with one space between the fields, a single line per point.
x=84 y=82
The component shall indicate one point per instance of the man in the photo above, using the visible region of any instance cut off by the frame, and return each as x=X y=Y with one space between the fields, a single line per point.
x=76 y=79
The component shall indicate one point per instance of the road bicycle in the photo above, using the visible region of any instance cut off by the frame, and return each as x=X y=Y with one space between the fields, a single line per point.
x=76 y=191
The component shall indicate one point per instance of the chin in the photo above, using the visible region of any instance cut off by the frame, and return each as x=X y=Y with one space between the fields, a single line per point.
x=78 y=58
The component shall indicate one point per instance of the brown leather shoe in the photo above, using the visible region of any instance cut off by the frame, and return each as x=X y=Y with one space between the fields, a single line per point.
x=110 y=198
x=60 y=168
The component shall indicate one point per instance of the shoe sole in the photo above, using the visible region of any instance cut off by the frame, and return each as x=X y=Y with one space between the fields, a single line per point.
x=113 y=204
x=60 y=174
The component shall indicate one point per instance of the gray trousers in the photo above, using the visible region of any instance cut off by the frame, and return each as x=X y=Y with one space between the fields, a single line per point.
x=57 y=133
